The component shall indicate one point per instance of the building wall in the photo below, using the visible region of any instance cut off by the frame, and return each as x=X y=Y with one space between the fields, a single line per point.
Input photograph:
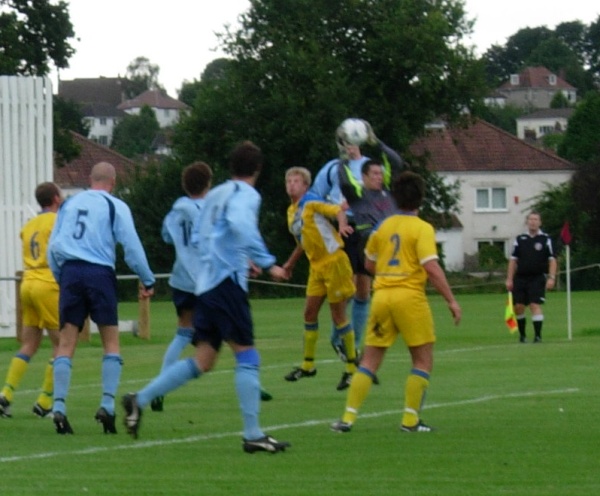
x=535 y=97
x=499 y=225
x=540 y=126
x=101 y=129
x=165 y=117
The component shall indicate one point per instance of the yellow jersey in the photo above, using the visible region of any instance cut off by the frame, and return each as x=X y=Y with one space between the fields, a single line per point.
x=308 y=221
x=35 y=235
x=399 y=247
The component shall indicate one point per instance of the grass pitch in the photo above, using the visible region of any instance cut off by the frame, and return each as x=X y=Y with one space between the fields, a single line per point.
x=511 y=419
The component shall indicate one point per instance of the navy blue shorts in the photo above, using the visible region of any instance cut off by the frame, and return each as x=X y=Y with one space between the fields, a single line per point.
x=354 y=248
x=529 y=289
x=183 y=301
x=223 y=314
x=87 y=289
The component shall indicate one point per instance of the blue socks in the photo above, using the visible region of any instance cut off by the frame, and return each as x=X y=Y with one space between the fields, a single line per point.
x=62 y=381
x=169 y=379
x=360 y=314
x=247 y=385
x=180 y=341
x=112 y=364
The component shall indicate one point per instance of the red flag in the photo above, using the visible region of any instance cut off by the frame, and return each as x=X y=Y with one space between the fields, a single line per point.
x=565 y=234
x=509 y=314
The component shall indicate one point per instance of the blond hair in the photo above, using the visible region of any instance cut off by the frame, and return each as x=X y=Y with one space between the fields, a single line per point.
x=299 y=171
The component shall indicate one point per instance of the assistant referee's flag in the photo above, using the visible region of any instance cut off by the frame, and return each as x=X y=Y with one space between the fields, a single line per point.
x=509 y=314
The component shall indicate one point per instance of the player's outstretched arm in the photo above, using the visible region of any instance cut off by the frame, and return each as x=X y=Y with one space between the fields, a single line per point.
x=440 y=283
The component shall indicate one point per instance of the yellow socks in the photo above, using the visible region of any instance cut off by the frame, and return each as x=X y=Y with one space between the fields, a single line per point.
x=414 y=396
x=359 y=389
x=16 y=371
x=311 y=335
x=45 y=397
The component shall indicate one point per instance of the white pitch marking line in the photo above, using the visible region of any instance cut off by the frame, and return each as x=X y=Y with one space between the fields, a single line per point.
x=308 y=423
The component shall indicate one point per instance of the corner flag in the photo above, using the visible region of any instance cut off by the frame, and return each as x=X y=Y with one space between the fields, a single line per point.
x=509 y=314
x=565 y=234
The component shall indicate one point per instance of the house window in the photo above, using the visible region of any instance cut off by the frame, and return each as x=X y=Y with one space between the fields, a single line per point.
x=514 y=79
x=167 y=112
x=552 y=79
x=546 y=130
x=489 y=199
x=103 y=140
x=103 y=121
x=488 y=242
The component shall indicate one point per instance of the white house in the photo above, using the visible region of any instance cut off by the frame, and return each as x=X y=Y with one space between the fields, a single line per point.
x=499 y=177
x=166 y=109
x=535 y=87
x=98 y=98
x=544 y=121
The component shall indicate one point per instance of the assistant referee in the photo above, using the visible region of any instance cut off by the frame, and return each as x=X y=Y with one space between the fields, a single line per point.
x=531 y=271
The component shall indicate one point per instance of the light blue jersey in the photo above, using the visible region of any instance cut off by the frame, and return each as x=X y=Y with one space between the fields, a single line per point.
x=228 y=234
x=327 y=181
x=177 y=231
x=88 y=227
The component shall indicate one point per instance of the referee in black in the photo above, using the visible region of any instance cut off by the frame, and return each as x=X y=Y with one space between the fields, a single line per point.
x=531 y=271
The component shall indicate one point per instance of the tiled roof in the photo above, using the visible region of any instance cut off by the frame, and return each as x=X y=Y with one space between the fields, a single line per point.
x=549 y=113
x=101 y=110
x=93 y=90
x=536 y=77
x=154 y=99
x=76 y=173
x=483 y=147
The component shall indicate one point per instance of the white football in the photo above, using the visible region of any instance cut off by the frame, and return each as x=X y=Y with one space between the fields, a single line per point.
x=353 y=131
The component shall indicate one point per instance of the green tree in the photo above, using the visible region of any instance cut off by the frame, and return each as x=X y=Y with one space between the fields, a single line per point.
x=134 y=134
x=566 y=51
x=504 y=117
x=581 y=142
x=141 y=75
x=577 y=202
x=67 y=117
x=559 y=100
x=593 y=46
x=150 y=193
x=502 y=61
x=213 y=72
x=33 y=36
x=299 y=69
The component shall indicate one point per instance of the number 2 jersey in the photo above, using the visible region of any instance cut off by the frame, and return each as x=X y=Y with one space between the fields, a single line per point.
x=400 y=246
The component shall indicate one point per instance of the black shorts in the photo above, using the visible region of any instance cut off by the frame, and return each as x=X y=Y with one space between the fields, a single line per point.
x=223 y=314
x=354 y=246
x=529 y=289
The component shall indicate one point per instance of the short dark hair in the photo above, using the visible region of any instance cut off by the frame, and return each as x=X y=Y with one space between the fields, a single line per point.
x=245 y=159
x=408 y=190
x=45 y=193
x=195 y=178
x=367 y=165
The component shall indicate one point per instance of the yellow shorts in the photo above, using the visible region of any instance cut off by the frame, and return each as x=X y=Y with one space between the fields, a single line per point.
x=401 y=311
x=39 y=304
x=333 y=280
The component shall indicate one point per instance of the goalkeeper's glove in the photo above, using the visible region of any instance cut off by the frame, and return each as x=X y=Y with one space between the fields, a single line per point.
x=371 y=138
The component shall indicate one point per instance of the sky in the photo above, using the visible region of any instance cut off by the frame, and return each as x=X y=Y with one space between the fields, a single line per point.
x=179 y=35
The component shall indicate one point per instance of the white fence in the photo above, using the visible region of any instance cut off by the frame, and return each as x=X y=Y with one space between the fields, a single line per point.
x=25 y=161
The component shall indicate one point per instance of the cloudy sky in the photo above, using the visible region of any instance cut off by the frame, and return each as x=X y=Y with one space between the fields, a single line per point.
x=179 y=35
